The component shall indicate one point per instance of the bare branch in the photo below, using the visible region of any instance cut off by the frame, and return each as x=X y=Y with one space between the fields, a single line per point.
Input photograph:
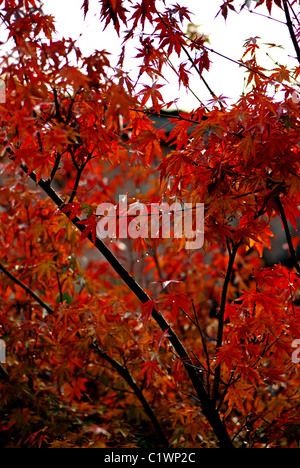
x=26 y=289
x=288 y=235
x=232 y=253
x=291 y=29
x=125 y=374
x=208 y=407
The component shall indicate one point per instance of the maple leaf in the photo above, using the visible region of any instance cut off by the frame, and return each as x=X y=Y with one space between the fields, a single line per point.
x=181 y=130
x=142 y=12
x=224 y=8
x=235 y=321
x=147 y=309
x=236 y=396
x=203 y=62
x=159 y=338
x=148 y=144
x=38 y=438
x=85 y=7
x=269 y=4
x=152 y=92
x=177 y=302
x=90 y=228
x=247 y=147
x=140 y=243
x=171 y=40
x=72 y=209
x=75 y=391
x=150 y=369
x=183 y=75
x=115 y=11
x=45 y=268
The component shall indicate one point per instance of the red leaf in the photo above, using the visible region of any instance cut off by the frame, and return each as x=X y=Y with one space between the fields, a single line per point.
x=178 y=303
x=147 y=309
x=73 y=209
x=90 y=228
x=269 y=5
x=159 y=338
x=150 y=368
x=85 y=7
x=113 y=10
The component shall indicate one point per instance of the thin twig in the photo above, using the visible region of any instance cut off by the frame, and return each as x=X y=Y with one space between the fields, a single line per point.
x=212 y=93
x=230 y=382
x=125 y=374
x=26 y=289
x=292 y=295
x=295 y=16
x=80 y=170
x=59 y=287
x=232 y=253
x=75 y=187
x=205 y=349
x=291 y=29
x=268 y=17
x=56 y=166
x=208 y=408
x=288 y=235
x=188 y=87
x=57 y=109
x=192 y=62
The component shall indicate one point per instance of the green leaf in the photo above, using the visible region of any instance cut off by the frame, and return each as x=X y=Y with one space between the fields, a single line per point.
x=64 y=298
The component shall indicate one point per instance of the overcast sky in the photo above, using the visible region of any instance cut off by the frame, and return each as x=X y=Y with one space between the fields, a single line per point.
x=228 y=38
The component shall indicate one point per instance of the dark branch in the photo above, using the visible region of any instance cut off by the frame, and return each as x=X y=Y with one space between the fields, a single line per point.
x=232 y=253
x=288 y=235
x=56 y=166
x=291 y=29
x=208 y=408
x=125 y=374
x=26 y=289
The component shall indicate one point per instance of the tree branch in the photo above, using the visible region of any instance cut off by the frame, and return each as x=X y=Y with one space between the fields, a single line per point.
x=291 y=29
x=56 y=166
x=3 y=373
x=192 y=62
x=232 y=253
x=208 y=407
x=288 y=235
x=212 y=93
x=125 y=374
x=26 y=289
x=123 y=371
x=80 y=170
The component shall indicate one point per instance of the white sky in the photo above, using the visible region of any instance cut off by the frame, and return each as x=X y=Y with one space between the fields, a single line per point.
x=227 y=38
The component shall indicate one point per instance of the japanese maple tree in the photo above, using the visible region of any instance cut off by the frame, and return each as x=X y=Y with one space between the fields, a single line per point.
x=142 y=342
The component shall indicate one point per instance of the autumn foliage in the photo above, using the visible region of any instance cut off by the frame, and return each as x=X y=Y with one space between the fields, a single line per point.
x=142 y=342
